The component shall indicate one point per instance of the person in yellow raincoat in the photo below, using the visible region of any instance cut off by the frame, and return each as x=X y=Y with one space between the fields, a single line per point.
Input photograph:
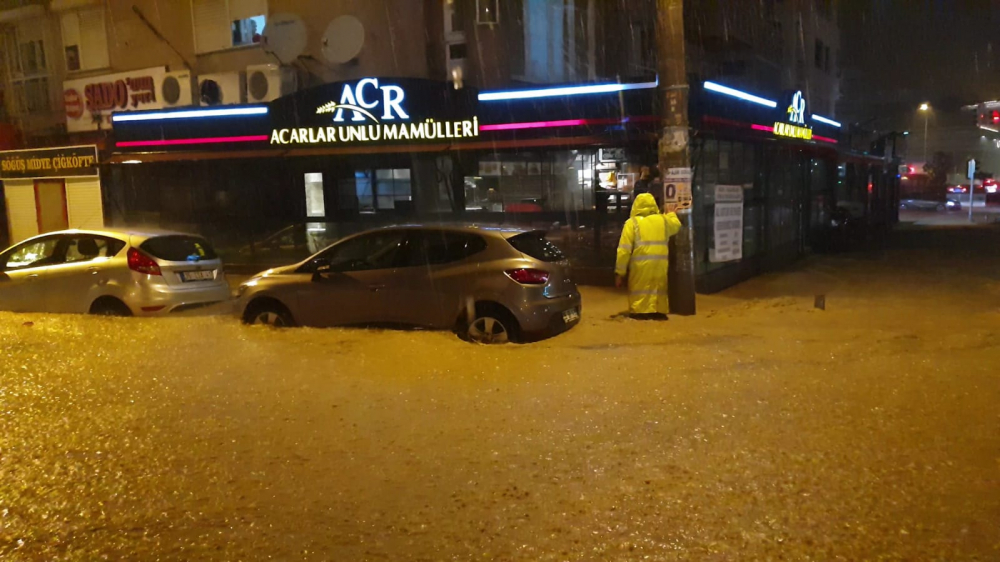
x=642 y=257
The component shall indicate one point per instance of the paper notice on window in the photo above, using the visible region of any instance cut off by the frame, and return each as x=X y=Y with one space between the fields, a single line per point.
x=728 y=224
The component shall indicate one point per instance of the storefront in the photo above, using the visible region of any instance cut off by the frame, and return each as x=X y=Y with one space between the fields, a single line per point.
x=346 y=156
x=352 y=154
x=51 y=189
x=793 y=181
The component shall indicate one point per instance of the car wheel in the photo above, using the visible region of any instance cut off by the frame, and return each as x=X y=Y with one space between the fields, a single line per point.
x=940 y=207
x=109 y=306
x=492 y=325
x=268 y=313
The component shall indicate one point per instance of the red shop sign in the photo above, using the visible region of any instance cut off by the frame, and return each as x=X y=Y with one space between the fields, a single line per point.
x=119 y=94
x=73 y=104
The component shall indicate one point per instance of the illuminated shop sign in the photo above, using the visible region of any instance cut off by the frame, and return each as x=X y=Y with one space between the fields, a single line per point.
x=792 y=131
x=795 y=124
x=65 y=161
x=372 y=111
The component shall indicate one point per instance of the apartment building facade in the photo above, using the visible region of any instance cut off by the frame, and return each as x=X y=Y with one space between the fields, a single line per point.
x=241 y=118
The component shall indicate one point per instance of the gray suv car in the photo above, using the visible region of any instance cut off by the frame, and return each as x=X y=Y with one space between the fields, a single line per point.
x=491 y=285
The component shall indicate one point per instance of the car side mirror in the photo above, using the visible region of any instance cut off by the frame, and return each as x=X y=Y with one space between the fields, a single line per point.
x=321 y=270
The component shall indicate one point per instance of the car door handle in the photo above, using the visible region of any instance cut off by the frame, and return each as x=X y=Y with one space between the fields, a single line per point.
x=93 y=270
x=375 y=288
x=32 y=277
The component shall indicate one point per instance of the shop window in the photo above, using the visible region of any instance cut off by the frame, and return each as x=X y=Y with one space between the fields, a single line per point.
x=224 y=24
x=85 y=39
x=315 y=204
x=363 y=189
x=531 y=182
x=392 y=188
x=25 y=58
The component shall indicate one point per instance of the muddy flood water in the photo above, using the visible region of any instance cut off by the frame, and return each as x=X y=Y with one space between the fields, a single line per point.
x=763 y=428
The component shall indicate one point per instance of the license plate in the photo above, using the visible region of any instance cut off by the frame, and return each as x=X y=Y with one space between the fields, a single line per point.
x=197 y=276
x=571 y=315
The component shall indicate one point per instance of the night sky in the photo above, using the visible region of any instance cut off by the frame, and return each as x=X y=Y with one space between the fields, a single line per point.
x=898 y=53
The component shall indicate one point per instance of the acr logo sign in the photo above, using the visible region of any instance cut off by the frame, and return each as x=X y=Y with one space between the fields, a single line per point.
x=366 y=99
x=797 y=109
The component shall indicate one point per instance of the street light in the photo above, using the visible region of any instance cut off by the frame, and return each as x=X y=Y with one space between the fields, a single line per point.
x=926 y=109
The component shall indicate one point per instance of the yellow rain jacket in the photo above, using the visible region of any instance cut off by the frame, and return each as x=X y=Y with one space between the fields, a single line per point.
x=643 y=254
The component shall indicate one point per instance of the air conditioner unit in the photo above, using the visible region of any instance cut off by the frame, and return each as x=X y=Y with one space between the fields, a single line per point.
x=223 y=88
x=177 y=89
x=266 y=82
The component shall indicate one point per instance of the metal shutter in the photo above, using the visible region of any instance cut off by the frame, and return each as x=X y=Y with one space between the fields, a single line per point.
x=83 y=201
x=20 y=195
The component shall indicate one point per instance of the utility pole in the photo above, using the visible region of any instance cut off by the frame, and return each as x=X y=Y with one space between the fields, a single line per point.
x=673 y=150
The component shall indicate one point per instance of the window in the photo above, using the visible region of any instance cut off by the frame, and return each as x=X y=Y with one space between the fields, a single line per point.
x=439 y=247
x=487 y=12
x=535 y=244
x=32 y=254
x=379 y=250
x=527 y=182
x=85 y=40
x=178 y=248
x=391 y=188
x=559 y=41
x=363 y=189
x=315 y=205
x=27 y=64
x=86 y=248
x=819 y=54
x=454 y=20
x=224 y=24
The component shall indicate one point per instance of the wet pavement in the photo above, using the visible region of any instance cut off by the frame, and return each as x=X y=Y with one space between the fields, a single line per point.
x=761 y=429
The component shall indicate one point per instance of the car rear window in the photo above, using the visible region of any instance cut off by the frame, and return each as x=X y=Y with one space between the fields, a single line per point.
x=178 y=248
x=535 y=244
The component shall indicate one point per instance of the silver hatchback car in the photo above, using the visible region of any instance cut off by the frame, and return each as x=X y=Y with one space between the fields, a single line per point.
x=113 y=272
x=491 y=285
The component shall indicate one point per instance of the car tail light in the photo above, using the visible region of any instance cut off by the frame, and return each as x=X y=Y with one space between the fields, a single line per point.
x=529 y=276
x=138 y=261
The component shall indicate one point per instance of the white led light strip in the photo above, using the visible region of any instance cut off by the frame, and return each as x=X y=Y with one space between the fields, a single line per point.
x=192 y=114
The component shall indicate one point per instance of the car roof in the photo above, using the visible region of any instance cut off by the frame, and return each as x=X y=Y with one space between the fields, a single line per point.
x=142 y=233
x=503 y=231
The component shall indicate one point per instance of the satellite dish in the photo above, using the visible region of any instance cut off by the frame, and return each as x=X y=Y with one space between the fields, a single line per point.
x=284 y=37
x=343 y=39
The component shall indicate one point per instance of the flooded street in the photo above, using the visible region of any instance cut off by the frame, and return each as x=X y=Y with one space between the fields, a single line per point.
x=761 y=428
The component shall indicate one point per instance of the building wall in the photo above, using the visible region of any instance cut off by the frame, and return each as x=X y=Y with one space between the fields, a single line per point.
x=812 y=51
x=396 y=44
x=767 y=46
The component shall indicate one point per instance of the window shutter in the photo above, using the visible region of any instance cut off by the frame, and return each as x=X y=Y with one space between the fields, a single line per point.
x=211 y=25
x=93 y=40
x=70 y=29
x=243 y=9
